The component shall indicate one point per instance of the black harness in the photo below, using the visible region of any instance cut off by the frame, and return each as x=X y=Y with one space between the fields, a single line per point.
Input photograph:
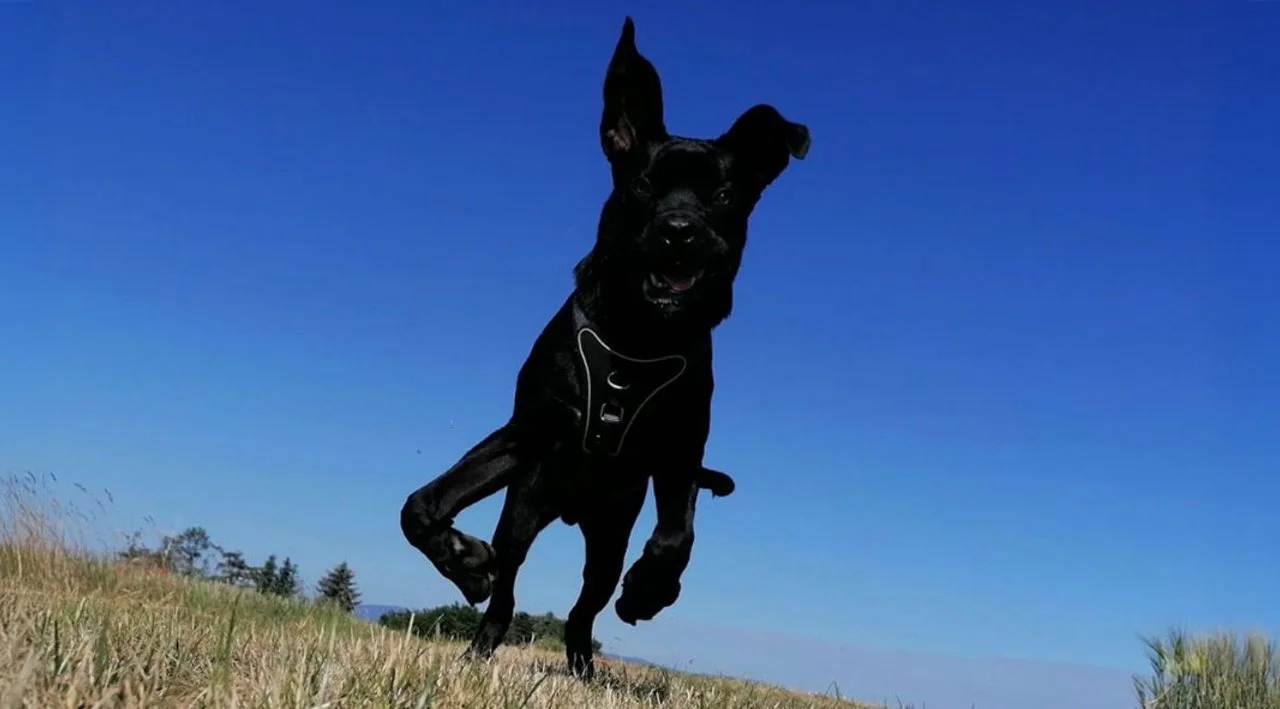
x=618 y=387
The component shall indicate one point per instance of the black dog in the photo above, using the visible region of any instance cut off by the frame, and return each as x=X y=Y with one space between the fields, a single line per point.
x=617 y=388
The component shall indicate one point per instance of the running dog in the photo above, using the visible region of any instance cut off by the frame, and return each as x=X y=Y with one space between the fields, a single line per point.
x=617 y=387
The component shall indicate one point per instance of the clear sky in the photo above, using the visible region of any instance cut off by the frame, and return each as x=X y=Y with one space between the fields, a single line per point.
x=1001 y=380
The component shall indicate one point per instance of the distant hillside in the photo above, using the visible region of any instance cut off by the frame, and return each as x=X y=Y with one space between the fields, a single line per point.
x=631 y=660
x=372 y=611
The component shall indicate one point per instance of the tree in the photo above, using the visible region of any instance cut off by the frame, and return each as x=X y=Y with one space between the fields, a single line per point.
x=188 y=553
x=453 y=622
x=235 y=571
x=459 y=622
x=266 y=577
x=193 y=553
x=288 y=583
x=137 y=552
x=339 y=587
x=276 y=578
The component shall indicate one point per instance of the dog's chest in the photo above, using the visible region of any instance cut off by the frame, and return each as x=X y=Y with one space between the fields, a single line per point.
x=624 y=406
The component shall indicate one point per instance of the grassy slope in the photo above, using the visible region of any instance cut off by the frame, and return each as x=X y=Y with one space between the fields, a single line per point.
x=78 y=631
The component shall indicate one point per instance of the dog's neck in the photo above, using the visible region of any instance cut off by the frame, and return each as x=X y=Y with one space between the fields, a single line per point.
x=627 y=323
x=635 y=333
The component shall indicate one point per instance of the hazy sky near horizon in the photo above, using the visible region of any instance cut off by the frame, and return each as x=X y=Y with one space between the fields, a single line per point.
x=1000 y=382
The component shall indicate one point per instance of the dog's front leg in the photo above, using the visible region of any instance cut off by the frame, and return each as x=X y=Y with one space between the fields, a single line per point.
x=653 y=581
x=426 y=519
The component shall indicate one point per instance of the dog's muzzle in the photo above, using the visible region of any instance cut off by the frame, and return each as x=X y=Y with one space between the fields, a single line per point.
x=680 y=250
x=680 y=237
x=677 y=230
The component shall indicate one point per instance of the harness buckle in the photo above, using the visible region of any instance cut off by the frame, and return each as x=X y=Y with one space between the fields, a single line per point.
x=611 y=412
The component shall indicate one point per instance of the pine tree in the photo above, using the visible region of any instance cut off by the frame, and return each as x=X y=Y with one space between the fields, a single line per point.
x=267 y=577
x=339 y=587
x=288 y=584
x=276 y=578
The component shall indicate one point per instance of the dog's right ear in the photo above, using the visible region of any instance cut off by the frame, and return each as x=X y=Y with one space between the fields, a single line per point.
x=632 y=115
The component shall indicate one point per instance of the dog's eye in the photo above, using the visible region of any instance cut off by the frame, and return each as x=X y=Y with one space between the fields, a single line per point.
x=642 y=188
x=723 y=197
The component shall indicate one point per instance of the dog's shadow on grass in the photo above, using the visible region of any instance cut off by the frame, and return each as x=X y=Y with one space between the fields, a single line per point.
x=653 y=685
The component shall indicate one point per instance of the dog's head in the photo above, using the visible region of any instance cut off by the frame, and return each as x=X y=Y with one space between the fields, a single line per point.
x=673 y=230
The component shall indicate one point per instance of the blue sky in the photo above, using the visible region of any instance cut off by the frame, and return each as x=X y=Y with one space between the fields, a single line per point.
x=1000 y=381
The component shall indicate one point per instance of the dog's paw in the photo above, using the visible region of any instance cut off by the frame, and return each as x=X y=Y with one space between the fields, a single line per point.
x=468 y=562
x=647 y=589
x=717 y=483
x=581 y=665
x=475 y=654
x=485 y=642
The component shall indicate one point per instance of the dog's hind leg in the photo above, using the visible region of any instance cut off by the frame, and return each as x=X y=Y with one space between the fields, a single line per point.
x=605 y=533
x=527 y=510
x=427 y=516
x=653 y=581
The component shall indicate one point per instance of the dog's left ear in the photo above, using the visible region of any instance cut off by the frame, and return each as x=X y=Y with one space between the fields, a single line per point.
x=632 y=115
x=763 y=142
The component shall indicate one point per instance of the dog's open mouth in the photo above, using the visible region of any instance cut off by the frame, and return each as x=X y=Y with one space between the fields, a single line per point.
x=674 y=284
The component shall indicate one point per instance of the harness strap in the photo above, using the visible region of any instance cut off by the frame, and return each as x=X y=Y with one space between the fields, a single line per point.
x=618 y=387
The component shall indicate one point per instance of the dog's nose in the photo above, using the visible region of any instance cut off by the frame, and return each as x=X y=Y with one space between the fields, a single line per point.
x=677 y=230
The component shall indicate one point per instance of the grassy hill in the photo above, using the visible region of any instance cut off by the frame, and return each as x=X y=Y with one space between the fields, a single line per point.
x=79 y=629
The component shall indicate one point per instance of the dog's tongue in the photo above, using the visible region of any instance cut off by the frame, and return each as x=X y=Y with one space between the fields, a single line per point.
x=680 y=285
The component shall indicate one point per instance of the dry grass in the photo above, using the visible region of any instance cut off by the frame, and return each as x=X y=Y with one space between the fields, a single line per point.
x=77 y=630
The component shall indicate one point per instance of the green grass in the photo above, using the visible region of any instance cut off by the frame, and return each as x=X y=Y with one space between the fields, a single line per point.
x=1223 y=671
